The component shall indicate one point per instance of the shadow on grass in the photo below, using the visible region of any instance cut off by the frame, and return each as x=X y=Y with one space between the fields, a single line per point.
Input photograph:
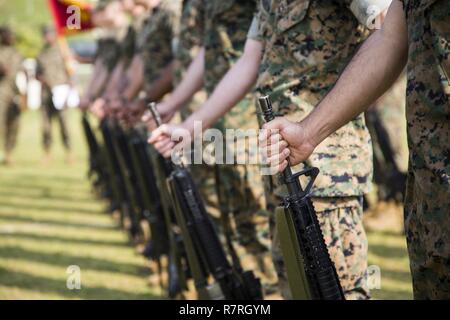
x=63 y=260
x=12 y=217
x=47 y=285
x=30 y=236
x=44 y=195
x=29 y=176
x=391 y=295
x=388 y=251
x=36 y=207
x=44 y=185
x=400 y=276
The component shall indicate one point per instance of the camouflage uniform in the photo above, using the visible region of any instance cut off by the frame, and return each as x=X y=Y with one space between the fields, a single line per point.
x=190 y=40
x=157 y=39
x=52 y=68
x=307 y=45
x=189 y=43
x=239 y=187
x=11 y=60
x=427 y=203
x=108 y=52
x=128 y=45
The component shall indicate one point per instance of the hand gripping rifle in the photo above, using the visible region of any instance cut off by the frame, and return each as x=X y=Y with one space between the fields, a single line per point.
x=204 y=250
x=311 y=273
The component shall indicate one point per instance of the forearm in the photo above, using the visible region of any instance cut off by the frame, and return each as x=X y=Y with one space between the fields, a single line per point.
x=375 y=67
x=135 y=76
x=113 y=83
x=100 y=82
x=192 y=82
x=161 y=86
x=232 y=88
x=98 y=66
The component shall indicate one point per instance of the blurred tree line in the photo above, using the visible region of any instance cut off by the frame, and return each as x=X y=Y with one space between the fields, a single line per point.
x=26 y=18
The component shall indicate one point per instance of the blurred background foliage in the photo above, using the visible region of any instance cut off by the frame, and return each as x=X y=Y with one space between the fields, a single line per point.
x=26 y=18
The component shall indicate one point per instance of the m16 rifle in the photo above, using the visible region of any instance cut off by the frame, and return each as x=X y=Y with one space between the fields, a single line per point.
x=130 y=174
x=204 y=250
x=152 y=209
x=177 y=264
x=121 y=193
x=96 y=166
x=311 y=273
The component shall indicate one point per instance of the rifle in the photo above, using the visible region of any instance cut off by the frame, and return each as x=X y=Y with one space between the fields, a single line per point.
x=177 y=266
x=394 y=180
x=124 y=155
x=121 y=195
x=205 y=253
x=151 y=198
x=95 y=157
x=310 y=271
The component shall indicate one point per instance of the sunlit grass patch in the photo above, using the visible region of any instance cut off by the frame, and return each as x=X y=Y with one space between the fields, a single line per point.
x=49 y=220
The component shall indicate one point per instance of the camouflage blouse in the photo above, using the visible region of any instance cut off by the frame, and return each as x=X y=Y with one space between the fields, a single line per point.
x=307 y=44
x=159 y=35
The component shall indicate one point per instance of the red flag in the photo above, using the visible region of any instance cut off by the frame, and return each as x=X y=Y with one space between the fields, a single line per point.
x=71 y=16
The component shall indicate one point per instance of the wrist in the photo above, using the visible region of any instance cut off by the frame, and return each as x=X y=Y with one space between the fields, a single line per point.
x=315 y=132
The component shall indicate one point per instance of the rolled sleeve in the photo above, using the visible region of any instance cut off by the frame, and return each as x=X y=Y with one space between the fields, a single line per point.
x=366 y=11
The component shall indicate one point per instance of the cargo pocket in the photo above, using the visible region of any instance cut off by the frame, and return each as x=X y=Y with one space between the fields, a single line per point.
x=290 y=12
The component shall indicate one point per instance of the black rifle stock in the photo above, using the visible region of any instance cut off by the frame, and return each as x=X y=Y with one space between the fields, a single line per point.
x=314 y=263
x=176 y=267
x=152 y=208
x=204 y=249
x=95 y=165
x=132 y=192
x=119 y=175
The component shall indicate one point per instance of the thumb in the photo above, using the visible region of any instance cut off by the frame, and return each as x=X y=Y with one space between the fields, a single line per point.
x=146 y=117
x=278 y=123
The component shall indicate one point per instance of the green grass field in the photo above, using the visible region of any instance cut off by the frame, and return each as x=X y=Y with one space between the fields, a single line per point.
x=49 y=220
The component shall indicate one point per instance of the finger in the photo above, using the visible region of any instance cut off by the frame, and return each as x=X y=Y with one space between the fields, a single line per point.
x=263 y=135
x=146 y=116
x=278 y=158
x=274 y=138
x=167 y=148
x=283 y=166
x=163 y=141
x=278 y=168
x=167 y=154
x=276 y=145
x=263 y=153
x=276 y=148
x=162 y=130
